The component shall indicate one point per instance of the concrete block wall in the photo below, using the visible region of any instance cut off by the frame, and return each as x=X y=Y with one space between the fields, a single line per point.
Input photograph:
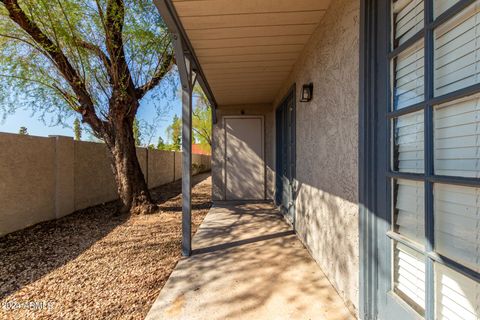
x=64 y=171
x=94 y=181
x=48 y=178
x=177 y=167
x=27 y=184
x=160 y=168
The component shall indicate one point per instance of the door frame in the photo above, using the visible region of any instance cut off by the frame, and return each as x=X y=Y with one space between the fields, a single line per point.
x=224 y=167
x=292 y=92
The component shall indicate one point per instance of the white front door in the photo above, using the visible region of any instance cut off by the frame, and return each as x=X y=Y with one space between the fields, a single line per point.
x=244 y=158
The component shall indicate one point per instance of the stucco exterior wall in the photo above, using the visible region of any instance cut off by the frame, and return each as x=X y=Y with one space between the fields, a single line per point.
x=327 y=147
x=47 y=178
x=218 y=146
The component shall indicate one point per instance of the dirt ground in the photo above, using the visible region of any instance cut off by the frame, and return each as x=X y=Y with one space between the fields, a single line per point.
x=95 y=264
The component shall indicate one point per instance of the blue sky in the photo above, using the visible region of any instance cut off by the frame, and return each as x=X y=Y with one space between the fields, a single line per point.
x=170 y=104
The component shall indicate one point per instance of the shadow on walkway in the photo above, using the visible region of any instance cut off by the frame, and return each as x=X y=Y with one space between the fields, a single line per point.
x=247 y=264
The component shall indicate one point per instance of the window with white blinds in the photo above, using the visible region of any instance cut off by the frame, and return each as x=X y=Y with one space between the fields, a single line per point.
x=408 y=79
x=409 y=276
x=408 y=19
x=457 y=52
x=457 y=138
x=409 y=214
x=457 y=224
x=408 y=153
x=442 y=197
x=409 y=266
x=440 y=6
x=456 y=296
x=409 y=143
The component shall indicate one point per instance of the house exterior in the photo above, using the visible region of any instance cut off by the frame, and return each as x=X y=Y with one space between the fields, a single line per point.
x=360 y=119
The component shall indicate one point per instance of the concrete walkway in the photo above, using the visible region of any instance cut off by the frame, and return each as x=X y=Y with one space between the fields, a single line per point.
x=247 y=264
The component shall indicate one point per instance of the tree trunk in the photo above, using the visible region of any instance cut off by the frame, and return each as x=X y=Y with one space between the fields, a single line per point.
x=131 y=186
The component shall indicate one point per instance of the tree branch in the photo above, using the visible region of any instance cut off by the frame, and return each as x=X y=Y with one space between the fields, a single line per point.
x=32 y=44
x=204 y=135
x=62 y=63
x=67 y=97
x=115 y=16
x=73 y=36
x=165 y=67
x=98 y=52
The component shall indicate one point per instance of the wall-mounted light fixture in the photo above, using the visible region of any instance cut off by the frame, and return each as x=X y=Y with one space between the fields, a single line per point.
x=307 y=92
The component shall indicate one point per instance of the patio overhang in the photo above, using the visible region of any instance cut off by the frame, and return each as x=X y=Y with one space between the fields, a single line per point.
x=243 y=50
x=184 y=49
x=240 y=52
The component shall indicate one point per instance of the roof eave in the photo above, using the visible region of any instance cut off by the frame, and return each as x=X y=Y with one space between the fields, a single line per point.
x=170 y=16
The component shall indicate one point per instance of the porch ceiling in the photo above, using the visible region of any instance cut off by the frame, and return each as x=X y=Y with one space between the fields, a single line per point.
x=247 y=48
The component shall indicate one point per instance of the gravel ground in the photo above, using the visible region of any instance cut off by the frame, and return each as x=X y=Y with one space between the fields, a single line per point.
x=96 y=264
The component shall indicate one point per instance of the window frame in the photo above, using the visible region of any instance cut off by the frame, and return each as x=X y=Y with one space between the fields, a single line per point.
x=375 y=174
x=429 y=178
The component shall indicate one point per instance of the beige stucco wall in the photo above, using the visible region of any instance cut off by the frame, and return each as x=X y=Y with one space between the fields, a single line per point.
x=197 y=160
x=64 y=178
x=142 y=159
x=47 y=178
x=178 y=166
x=206 y=162
x=94 y=181
x=160 y=168
x=27 y=167
x=327 y=147
x=218 y=146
